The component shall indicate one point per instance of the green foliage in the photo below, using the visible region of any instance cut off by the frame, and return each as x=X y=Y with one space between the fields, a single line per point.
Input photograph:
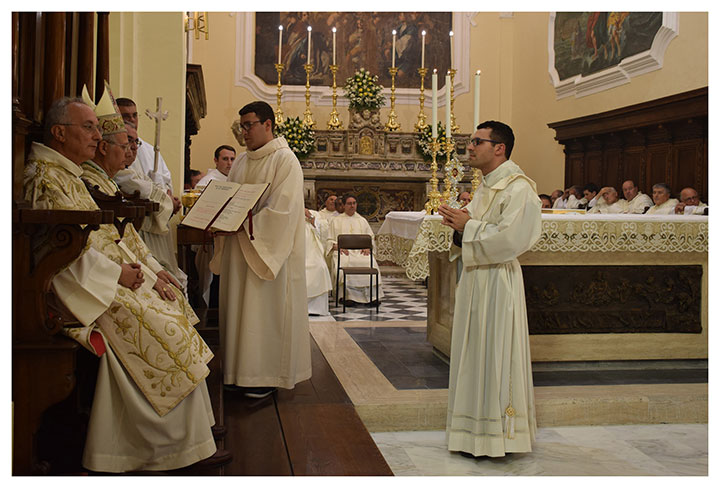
x=299 y=137
x=364 y=91
x=424 y=143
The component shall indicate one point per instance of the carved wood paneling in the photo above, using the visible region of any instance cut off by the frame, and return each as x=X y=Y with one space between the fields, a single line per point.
x=663 y=140
x=613 y=299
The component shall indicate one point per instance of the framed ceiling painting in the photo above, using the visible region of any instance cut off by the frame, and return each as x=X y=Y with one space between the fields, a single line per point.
x=589 y=52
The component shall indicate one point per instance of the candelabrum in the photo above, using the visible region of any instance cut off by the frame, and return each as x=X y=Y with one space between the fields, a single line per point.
x=475 y=182
x=421 y=124
x=279 y=117
x=307 y=115
x=453 y=175
x=434 y=197
x=454 y=127
x=392 y=123
x=334 y=123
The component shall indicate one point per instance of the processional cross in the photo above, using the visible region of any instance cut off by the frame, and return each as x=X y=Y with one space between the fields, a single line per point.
x=158 y=116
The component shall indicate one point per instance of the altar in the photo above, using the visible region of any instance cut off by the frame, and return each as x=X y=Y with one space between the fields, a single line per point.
x=598 y=287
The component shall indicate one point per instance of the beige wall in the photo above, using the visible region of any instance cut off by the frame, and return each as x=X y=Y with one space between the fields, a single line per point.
x=148 y=60
x=512 y=53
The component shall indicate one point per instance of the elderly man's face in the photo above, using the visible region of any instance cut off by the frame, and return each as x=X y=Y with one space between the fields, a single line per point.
x=555 y=195
x=610 y=197
x=330 y=203
x=660 y=196
x=350 y=206
x=689 y=197
x=116 y=153
x=80 y=135
x=629 y=190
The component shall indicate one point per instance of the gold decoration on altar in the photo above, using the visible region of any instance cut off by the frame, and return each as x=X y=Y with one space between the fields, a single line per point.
x=434 y=197
x=334 y=123
x=279 y=116
x=392 y=123
x=366 y=145
x=307 y=115
x=421 y=124
x=453 y=126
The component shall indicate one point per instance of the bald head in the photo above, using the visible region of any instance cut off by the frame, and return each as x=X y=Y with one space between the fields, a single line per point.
x=689 y=196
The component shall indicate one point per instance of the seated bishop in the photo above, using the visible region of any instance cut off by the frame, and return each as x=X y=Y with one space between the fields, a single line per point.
x=151 y=410
x=317 y=275
x=350 y=222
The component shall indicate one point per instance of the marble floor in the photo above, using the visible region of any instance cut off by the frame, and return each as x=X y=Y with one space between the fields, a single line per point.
x=623 y=450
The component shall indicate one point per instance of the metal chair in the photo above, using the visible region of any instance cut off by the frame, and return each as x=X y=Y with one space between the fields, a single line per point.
x=351 y=242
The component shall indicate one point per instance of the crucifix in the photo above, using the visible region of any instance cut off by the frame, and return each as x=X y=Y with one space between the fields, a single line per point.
x=158 y=116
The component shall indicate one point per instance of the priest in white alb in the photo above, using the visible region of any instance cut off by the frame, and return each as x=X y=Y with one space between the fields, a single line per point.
x=491 y=407
x=328 y=212
x=357 y=286
x=151 y=409
x=263 y=299
x=316 y=268
x=638 y=202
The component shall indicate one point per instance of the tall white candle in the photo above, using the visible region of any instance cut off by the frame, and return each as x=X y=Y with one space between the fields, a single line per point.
x=280 y=29
x=334 y=33
x=434 y=104
x=448 y=117
x=451 y=50
x=422 y=56
x=393 y=48
x=476 y=107
x=309 y=34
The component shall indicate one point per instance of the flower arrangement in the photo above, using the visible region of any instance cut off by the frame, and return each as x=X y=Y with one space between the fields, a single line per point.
x=364 y=91
x=425 y=140
x=299 y=137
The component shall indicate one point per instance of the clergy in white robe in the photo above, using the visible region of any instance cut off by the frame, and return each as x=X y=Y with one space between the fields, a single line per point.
x=690 y=203
x=317 y=275
x=638 y=202
x=224 y=158
x=608 y=202
x=328 y=211
x=263 y=299
x=151 y=409
x=490 y=396
x=664 y=205
x=357 y=286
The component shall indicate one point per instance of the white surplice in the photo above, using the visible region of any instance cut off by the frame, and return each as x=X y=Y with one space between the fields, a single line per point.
x=316 y=270
x=602 y=207
x=665 y=208
x=358 y=286
x=490 y=349
x=638 y=204
x=263 y=299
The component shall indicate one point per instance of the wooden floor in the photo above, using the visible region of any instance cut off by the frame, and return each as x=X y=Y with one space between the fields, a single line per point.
x=310 y=430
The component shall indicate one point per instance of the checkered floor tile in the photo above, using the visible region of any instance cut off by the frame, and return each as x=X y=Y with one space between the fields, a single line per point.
x=403 y=300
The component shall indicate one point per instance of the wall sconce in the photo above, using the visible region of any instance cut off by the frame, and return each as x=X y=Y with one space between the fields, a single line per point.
x=198 y=22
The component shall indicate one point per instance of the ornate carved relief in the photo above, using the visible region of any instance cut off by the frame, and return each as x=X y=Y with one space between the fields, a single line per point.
x=613 y=299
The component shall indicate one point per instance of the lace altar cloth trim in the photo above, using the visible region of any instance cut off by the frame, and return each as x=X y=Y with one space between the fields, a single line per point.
x=561 y=233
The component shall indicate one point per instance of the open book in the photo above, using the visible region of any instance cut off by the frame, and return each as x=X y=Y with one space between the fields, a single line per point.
x=224 y=205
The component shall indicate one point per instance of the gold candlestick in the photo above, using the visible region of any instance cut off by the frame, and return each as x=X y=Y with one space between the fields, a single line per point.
x=420 y=124
x=279 y=117
x=453 y=174
x=392 y=123
x=334 y=123
x=434 y=197
x=454 y=127
x=307 y=115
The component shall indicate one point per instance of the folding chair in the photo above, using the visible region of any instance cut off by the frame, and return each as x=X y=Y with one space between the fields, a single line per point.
x=350 y=242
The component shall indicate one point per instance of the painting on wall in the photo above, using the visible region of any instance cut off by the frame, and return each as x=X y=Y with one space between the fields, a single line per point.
x=364 y=40
x=590 y=42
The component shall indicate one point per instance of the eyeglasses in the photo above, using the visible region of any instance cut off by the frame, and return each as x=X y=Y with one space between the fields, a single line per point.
x=476 y=141
x=246 y=126
x=87 y=127
x=136 y=142
x=124 y=147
